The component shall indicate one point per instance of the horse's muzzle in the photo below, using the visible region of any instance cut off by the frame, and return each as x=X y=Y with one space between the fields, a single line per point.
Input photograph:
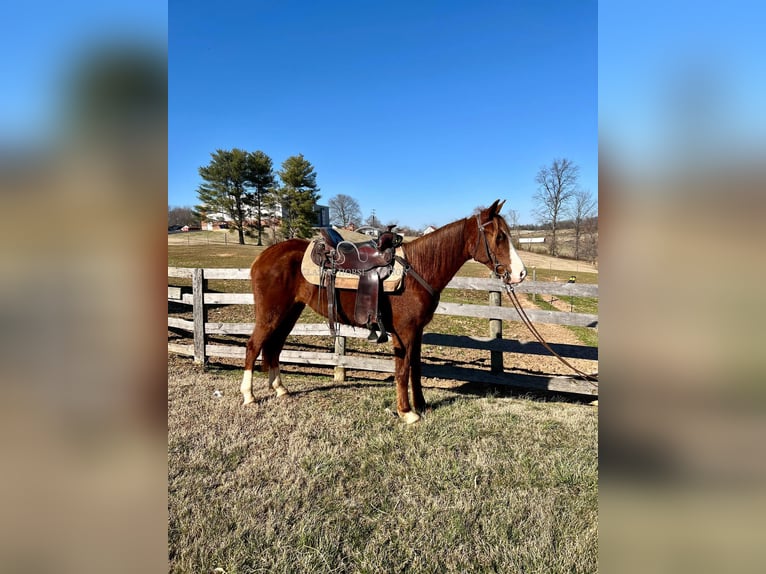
x=509 y=279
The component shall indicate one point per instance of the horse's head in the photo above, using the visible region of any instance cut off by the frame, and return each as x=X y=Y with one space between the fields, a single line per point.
x=493 y=245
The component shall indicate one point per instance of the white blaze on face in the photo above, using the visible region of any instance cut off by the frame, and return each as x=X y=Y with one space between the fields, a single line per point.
x=518 y=271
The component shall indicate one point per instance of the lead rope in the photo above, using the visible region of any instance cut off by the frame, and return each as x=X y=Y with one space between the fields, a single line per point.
x=592 y=379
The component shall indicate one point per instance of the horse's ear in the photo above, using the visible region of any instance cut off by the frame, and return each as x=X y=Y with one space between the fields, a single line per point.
x=495 y=208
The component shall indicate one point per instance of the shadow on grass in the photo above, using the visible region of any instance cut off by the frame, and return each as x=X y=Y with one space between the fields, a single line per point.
x=323 y=382
x=478 y=390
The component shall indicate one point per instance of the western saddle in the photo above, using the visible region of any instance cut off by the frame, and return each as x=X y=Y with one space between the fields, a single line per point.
x=372 y=261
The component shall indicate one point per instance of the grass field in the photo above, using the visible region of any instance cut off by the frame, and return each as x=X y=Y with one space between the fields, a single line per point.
x=327 y=480
x=585 y=335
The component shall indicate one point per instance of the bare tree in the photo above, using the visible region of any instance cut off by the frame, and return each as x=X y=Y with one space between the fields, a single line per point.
x=180 y=216
x=556 y=184
x=344 y=210
x=589 y=248
x=372 y=220
x=406 y=230
x=513 y=218
x=583 y=208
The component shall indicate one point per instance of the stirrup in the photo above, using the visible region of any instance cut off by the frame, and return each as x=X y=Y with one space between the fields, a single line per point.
x=374 y=336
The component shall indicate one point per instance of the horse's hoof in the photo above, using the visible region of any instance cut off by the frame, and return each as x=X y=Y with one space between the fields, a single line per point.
x=410 y=417
x=281 y=391
x=248 y=402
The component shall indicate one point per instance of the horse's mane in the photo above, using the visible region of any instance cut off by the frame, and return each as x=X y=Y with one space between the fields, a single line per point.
x=433 y=255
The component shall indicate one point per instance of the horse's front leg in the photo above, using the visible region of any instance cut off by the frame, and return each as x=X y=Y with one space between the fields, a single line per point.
x=418 y=400
x=403 y=362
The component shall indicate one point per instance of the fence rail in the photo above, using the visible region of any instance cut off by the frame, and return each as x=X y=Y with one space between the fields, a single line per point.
x=200 y=299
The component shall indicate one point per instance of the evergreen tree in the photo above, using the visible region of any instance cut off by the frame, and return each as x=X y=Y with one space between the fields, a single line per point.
x=224 y=189
x=260 y=176
x=299 y=194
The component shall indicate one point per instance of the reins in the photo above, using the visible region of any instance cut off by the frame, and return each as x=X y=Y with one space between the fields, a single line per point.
x=592 y=379
x=408 y=270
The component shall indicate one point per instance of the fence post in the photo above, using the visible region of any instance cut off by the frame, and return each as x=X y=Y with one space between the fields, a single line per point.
x=199 y=284
x=496 y=332
x=340 y=350
x=534 y=278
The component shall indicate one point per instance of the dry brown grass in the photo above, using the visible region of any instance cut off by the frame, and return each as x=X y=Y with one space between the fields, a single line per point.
x=328 y=481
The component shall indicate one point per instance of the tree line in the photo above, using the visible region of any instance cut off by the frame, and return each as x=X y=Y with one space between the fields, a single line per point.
x=562 y=225
x=346 y=213
x=243 y=188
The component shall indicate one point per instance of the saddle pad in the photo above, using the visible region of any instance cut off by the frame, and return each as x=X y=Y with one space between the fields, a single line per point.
x=344 y=280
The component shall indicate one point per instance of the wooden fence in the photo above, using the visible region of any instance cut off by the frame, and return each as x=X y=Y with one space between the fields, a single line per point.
x=200 y=299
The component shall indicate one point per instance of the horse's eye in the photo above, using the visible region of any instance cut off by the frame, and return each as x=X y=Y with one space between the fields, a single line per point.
x=500 y=236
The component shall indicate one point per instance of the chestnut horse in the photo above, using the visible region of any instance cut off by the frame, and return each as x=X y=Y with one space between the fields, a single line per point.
x=281 y=292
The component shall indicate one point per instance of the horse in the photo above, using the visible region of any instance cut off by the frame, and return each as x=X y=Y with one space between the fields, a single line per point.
x=281 y=293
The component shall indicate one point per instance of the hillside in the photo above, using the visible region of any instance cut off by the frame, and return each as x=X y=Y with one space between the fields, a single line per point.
x=541 y=261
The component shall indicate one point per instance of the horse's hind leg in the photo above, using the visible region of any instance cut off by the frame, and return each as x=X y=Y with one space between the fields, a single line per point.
x=257 y=342
x=269 y=336
x=275 y=380
x=273 y=347
x=254 y=345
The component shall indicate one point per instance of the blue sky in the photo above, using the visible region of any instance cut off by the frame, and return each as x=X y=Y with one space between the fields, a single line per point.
x=39 y=53
x=697 y=83
x=419 y=110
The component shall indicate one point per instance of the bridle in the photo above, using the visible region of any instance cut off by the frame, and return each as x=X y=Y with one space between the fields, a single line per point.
x=592 y=379
x=496 y=265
